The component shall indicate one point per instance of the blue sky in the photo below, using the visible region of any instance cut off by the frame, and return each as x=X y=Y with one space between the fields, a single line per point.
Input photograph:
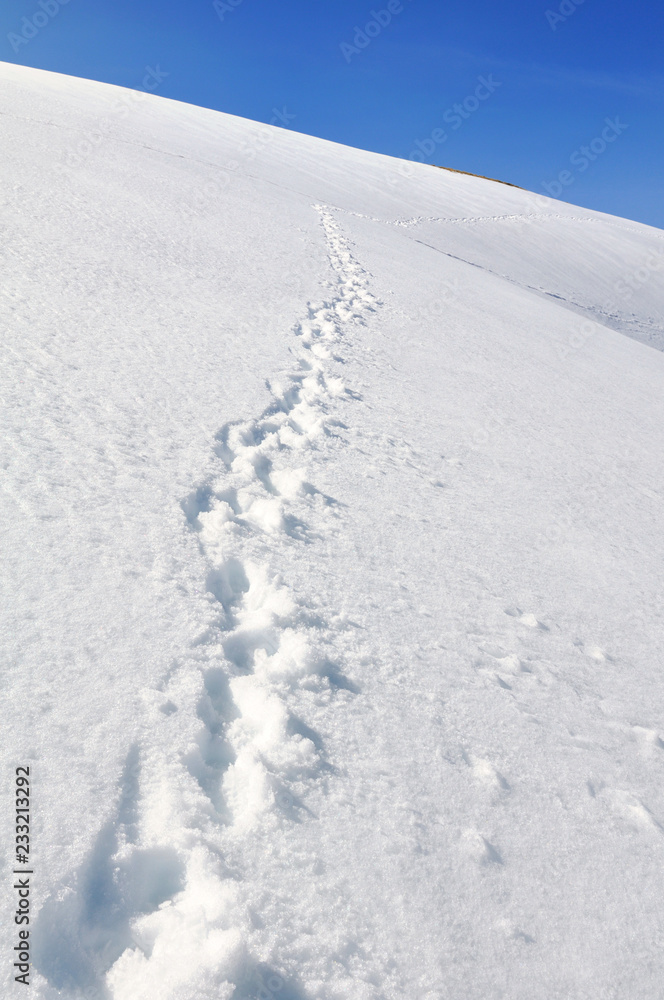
x=551 y=79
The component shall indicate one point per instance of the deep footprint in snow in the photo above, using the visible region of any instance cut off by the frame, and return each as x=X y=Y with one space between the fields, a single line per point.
x=212 y=756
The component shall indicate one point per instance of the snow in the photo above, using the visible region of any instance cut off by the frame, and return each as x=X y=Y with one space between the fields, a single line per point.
x=332 y=559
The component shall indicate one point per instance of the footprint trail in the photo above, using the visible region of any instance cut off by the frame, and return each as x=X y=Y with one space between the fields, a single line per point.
x=226 y=754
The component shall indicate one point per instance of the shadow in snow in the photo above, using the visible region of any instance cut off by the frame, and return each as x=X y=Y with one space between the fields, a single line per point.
x=85 y=925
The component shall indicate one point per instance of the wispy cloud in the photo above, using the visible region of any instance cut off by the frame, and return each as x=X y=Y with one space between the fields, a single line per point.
x=649 y=86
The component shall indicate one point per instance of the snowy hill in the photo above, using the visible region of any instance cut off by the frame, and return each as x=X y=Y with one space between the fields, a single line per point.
x=332 y=503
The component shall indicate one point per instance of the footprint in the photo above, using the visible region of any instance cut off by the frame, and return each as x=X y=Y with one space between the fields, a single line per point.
x=228 y=583
x=526 y=618
x=592 y=651
x=508 y=663
x=480 y=848
x=649 y=740
x=486 y=774
x=198 y=502
x=208 y=761
x=513 y=932
x=630 y=808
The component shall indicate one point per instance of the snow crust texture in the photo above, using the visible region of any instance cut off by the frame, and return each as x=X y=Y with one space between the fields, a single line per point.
x=332 y=505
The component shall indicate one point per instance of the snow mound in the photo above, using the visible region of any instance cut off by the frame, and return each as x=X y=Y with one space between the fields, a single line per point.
x=331 y=503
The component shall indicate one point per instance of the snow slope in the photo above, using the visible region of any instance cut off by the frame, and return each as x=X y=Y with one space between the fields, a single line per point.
x=332 y=557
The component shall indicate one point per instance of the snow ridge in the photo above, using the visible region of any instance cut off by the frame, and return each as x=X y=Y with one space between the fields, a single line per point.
x=185 y=932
